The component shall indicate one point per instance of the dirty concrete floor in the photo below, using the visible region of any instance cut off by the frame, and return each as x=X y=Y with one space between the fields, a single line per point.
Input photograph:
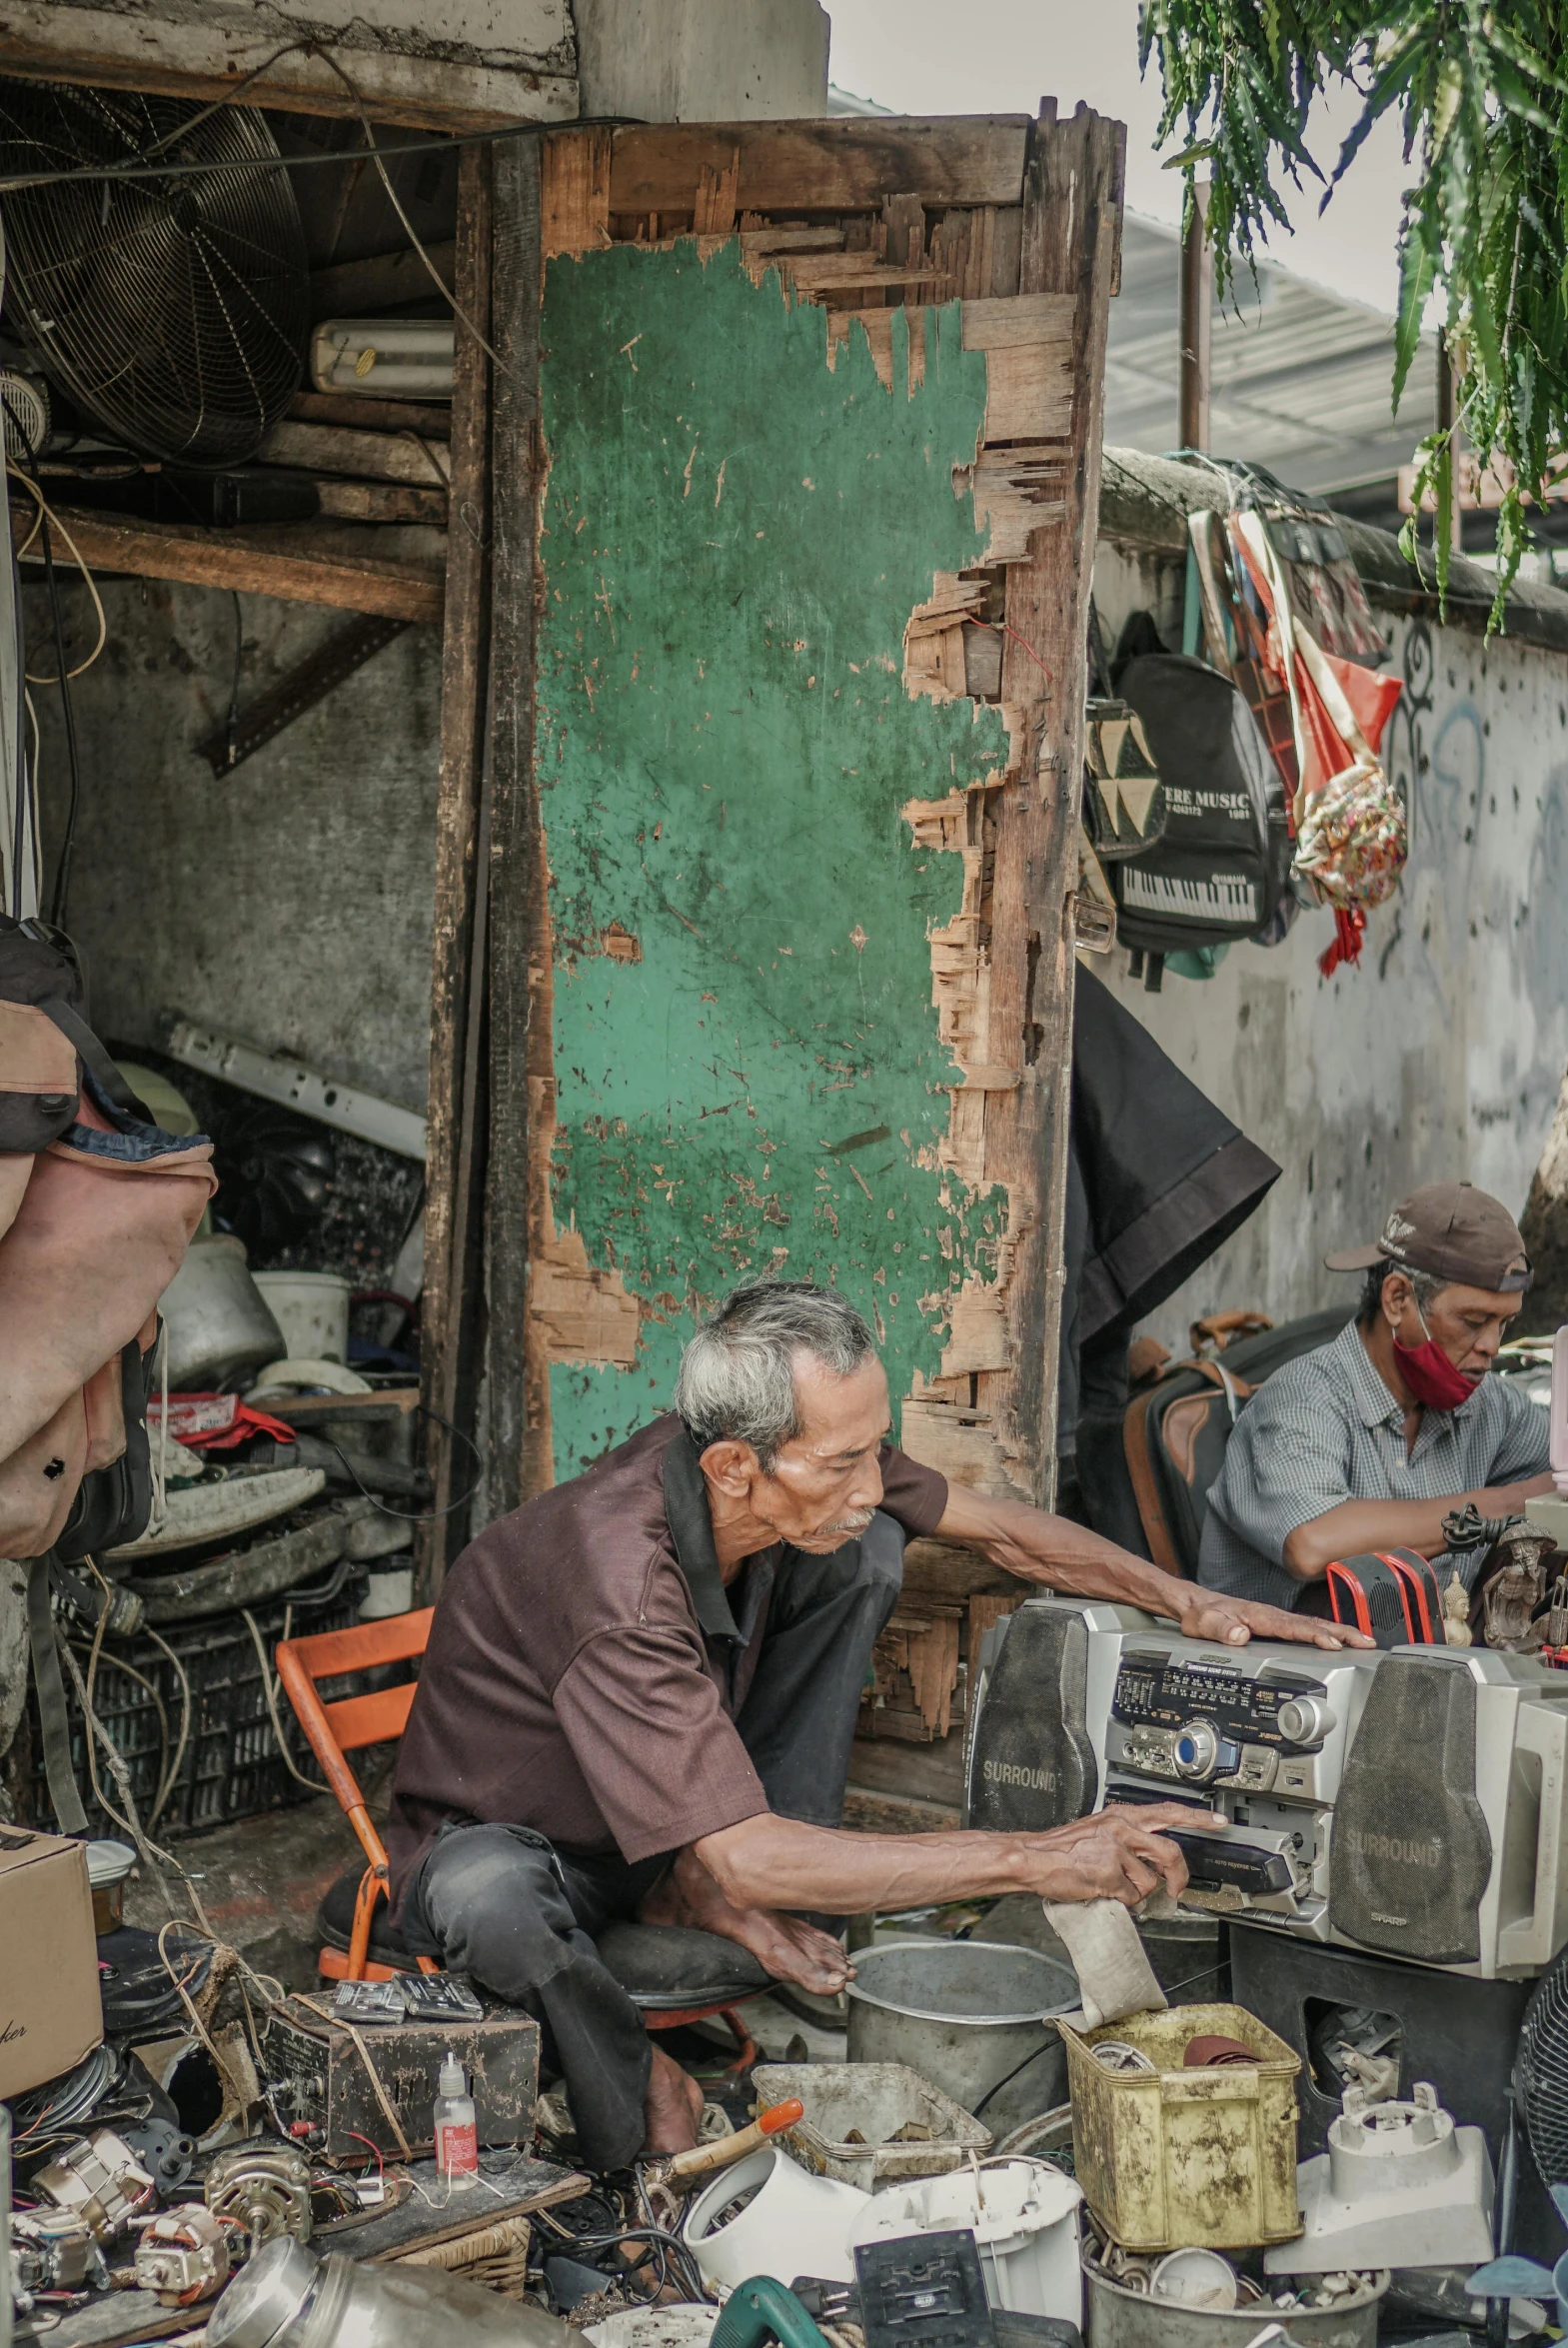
x=261 y=1883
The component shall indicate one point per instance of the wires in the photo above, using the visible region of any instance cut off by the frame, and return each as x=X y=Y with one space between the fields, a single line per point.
x=46 y=514
x=406 y=1515
x=667 y=2248
x=231 y=722
x=62 y=677
x=392 y=197
x=13 y=181
x=269 y=1691
x=171 y=1776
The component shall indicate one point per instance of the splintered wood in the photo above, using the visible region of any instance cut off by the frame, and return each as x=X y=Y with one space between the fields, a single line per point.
x=575 y=192
x=986 y=1420
x=916 y=1668
x=584 y=1313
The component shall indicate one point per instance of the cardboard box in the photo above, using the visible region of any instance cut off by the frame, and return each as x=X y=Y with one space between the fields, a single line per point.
x=50 y=2010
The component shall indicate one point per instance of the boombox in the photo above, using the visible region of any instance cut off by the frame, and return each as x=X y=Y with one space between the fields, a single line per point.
x=1411 y=1801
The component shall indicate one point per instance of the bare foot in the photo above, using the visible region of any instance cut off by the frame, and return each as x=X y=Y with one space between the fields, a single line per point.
x=791 y=1949
x=671 y=2108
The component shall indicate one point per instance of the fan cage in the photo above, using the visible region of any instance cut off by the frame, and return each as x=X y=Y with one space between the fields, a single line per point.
x=1543 y=2072
x=173 y=312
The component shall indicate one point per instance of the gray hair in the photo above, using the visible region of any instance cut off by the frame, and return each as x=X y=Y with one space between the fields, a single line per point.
x=736 y=1382
x=1426 y=1285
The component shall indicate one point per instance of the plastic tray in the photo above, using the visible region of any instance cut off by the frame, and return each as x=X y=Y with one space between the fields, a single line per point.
x=870 y=2102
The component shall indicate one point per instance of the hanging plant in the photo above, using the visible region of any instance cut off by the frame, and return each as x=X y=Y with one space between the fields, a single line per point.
x=1482 y=92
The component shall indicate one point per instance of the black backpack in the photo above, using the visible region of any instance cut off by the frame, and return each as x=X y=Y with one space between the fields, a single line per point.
x=1221 y=865
x=1145 y=1472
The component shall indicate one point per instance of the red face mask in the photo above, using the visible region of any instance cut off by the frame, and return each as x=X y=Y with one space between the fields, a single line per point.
x=1430 y=1376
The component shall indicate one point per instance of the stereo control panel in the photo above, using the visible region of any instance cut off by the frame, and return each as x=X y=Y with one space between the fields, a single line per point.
x=1203 y=1718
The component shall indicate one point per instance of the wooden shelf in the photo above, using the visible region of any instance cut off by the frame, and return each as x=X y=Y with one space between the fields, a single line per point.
x=293 y=562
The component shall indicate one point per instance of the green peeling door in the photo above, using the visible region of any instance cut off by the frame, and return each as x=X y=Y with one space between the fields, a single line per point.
x=818 y=485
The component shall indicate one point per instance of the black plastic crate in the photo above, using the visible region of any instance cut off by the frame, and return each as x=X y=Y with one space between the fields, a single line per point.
x=231 y=1768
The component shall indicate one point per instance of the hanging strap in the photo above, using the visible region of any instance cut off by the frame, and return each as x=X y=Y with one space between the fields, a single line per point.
x=54 y=1721
x=71 y=1023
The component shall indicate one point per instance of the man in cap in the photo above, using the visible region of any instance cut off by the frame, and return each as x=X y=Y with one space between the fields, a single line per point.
x=1370 y=1443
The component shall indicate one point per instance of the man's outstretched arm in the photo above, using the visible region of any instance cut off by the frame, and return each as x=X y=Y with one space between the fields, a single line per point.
x=772 y=1863
x=1068 y=1557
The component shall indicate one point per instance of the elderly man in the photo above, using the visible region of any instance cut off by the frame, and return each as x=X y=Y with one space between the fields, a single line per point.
x=1370 y=1443
x=641 y=1689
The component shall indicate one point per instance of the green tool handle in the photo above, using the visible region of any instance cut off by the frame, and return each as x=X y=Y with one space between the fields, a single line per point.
x=764 y=2310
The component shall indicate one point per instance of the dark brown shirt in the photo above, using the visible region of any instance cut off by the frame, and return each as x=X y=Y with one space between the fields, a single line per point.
x=587 y=1661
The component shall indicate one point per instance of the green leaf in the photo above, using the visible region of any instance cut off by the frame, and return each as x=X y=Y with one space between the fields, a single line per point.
x=1417 y=277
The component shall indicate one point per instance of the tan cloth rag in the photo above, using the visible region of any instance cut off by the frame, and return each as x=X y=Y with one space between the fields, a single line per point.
x=1115 y=1978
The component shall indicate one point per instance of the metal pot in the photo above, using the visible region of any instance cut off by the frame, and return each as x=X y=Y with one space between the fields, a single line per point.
x=221 y=1331
x=970 y=2016
x=1119 y=2318
x=288 y=2298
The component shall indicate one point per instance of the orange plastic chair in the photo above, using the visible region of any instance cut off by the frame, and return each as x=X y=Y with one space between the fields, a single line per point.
x=346 y=1726
x=353 y=1722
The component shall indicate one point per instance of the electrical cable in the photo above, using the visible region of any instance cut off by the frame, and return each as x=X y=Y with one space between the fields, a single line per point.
x=131 y=1672
x=12 y=182
x=172 y=1777
x=661 y=2239
x=169 y=1770
x=25 y=813
x=151 y=1853
x=45 y=508
x=62 y=880
x=409 y=229
x=268 y=1690
x=231 y=722
x=405 y=1515
x=26 y=802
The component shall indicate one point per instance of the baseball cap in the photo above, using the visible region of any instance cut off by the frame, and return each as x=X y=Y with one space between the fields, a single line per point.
x=1452 y=1230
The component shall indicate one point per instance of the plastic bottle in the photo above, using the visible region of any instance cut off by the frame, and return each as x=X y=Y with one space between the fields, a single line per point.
x=457 y=2139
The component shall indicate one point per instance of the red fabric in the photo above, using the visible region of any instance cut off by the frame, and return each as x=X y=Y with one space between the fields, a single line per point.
x=215 y=1422
x=1349 y=933
x=1371 y=699
x=1370 y=696
x=1431 y=1376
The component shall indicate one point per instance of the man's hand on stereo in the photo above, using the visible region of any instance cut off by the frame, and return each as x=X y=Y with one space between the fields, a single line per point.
x=1117 y=1853
x=1209 y=1613
x=1056 y=1554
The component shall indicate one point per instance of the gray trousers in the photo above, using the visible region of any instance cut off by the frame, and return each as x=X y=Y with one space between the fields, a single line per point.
x=500 y=1903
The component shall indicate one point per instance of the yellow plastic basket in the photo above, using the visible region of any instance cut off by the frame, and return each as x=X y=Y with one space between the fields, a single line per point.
x=1175 y=2157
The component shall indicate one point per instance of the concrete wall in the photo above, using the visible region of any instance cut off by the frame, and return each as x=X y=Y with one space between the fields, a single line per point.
x=702 y=60
x=471 y=63
x=290 y=903
x=1441 y=1056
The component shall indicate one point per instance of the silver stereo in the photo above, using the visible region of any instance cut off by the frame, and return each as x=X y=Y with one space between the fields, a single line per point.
x=1407 y=1801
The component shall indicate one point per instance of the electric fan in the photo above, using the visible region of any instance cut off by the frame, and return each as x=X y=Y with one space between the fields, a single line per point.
x=1541 y=2073
x=173 y=311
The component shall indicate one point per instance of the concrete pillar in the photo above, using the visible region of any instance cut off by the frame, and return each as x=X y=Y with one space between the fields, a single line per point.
x=702 y=60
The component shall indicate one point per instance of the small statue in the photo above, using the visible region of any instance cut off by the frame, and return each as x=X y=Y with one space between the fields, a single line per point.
x=1554 y=1623
x=1456 y=1613
x=1515 y=1589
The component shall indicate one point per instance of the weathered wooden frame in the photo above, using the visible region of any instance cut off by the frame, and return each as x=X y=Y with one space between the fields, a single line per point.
x=1046 y=198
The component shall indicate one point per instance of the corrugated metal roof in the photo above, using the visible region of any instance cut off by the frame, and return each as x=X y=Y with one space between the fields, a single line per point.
x=1301 y=377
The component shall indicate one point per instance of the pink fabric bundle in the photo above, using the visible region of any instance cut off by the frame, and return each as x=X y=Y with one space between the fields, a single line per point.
x=90 y=1236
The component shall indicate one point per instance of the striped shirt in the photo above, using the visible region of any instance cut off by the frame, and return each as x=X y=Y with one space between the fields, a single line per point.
x=1325 y=1429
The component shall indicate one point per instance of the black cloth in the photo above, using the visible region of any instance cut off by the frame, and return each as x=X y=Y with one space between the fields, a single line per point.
x=1157 y=1180
x=502 y=1903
